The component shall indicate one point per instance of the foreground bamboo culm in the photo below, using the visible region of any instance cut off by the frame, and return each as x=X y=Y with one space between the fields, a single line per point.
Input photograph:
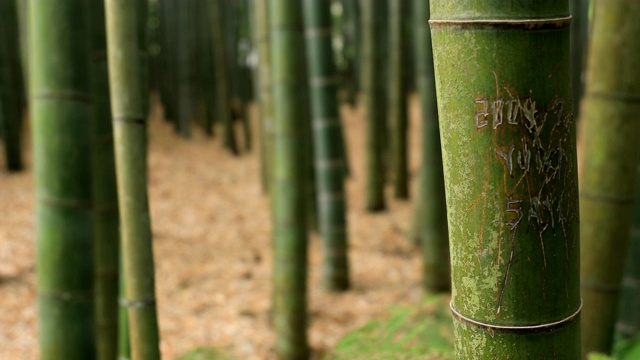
x=508 y=138
x=129 y=127
x=61 y=124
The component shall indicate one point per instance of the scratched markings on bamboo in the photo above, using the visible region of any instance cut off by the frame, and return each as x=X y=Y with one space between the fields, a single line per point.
x=534 y=163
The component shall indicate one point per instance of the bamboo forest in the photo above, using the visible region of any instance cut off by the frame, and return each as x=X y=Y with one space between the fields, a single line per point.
x=319 y=179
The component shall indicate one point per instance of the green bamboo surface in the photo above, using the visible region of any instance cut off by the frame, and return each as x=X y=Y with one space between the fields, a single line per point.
x=579 y=38
x=129 y=126
x=265 y=103
x=373 y=94
x=327 y=135
x=503 y=80
x=430 y=214
x=289 y=179
x=105 y=195
x=124 y=343
x=185 y=47
x=628 y=322
x=607 y=184
x=222 y=68
x=142 y=11
x=62 y=136
x=21 y=7
x=397 y=98
x=11 y=95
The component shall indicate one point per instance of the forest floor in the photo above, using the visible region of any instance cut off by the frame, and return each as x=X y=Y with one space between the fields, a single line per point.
x=212 y=243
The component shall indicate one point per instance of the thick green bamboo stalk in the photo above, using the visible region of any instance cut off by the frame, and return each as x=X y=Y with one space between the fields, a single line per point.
x=628 y=323
x=610 y=137
x=142 y=12
x=398 y=106
x=373 y=53
x=186 y=75
x=62 y=136
x=105 y=195
x=21 y=7
x=131 y=167
x=10 y=85
x=503 y=79
x=430 y=214
x=289 y=179
x=327 y=134
x=223 y=91
x=265 y=107
x=124 y=341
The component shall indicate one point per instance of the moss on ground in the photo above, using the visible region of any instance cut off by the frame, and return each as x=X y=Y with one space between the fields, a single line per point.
x=423 y=331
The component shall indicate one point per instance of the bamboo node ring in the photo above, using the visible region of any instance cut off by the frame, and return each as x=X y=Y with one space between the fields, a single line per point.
x=546 y=327
x=523 y=24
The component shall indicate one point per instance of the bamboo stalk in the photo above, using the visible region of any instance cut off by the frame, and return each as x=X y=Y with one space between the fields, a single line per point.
x=11 y=88
x=373 y=53
x=62 y=136
x=430 y=214
x=105 y=195
x=609 y=140
x=131 y=164
x=503 y=80
x=289 y=179
x=223 y=92
x=265 y=108
x=398 y=106
x=327 y=133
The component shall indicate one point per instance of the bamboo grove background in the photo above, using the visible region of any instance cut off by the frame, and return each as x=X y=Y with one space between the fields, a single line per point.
x=534 y=262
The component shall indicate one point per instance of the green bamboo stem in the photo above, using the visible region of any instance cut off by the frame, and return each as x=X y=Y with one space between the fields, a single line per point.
x=265 y=107
x=23 y=37
x=430 y=214
x=185 y=71
x=206 y=65
x=373 y=53
x=223 y=91
x=628 y=324
x=398 y=106
x=124 y=341
x=105 y=195
x=508 y=140
x=131 y=164
x=609 y=161
x=327 y=130
x=62 y=136
x=10 y=85
x=142 y=12
x=579 y=32
x=289 y=179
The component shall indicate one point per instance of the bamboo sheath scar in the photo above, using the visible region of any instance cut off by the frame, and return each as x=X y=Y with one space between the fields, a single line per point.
x=508 y=144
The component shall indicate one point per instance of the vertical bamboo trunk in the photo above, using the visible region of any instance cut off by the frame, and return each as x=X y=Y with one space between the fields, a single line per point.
x=503 y=79
x=327 y=129
x=10 y=86
x=579 y=30
x=142 y=12
x=628 y=323
x=289 y=179
x=131 y=163
x=265 y=107
x=430 y=217
x=373 y=53
x=223 y=93
x=397 y=108
x=185 y=46
x=608 y=168
x=62 y=135
x=21 y=7
x=206 y=65
x=105 y=196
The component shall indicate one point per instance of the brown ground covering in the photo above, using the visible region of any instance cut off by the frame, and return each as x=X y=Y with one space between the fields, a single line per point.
x=212 y=237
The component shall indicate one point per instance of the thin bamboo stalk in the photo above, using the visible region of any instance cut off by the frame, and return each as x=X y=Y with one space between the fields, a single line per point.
x=373 y=53
x=503 y=79
x=129 y=125
x=223 y=92
x=397 y=98
x=430 y=214
x=105 y=195
x=289 y=179
x=609 y=138
x=265 y=102
x=11 y=95
x=62 y=136
x=327 y=130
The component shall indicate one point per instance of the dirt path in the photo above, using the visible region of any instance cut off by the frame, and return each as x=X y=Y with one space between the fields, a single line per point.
x=212 y=237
